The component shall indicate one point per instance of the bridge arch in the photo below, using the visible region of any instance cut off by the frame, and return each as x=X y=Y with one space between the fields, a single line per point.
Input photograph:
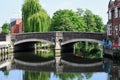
x=33 y=40
x=77 y=40
x=72 y=37
x=28 y=44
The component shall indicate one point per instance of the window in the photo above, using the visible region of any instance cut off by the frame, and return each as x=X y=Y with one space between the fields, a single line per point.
x=119 y=41
x=119 y=27
x=119 y=12
x=116 y=30
x=116 y=12
x=109 y=30
x=109 y=14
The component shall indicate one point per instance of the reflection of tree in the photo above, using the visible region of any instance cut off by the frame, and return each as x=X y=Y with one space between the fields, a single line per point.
x=85 y=76
x=72 y=76
x=88 y=75
x=46 y=53
x=6 y=73
x=36 y=76
x=67 y=76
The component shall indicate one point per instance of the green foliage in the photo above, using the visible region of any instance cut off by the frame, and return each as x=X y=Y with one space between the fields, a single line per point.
x=82 y=20
x=99 y=23
x=5 y=28
x=35 y=18
x=89 y=20
x=93 y=22
x=66 y=20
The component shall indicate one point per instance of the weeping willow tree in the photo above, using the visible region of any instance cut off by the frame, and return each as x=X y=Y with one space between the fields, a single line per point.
x=35 y=18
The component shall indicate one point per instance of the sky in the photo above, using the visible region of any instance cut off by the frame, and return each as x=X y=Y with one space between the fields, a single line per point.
x=12 y=8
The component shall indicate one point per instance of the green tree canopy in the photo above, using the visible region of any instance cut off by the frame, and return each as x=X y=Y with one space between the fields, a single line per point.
x=93 y=22
x=90 y=21
x=5 y=28
x=66 y=20
x=99 y=23
x=35 y=18
x=82 y=20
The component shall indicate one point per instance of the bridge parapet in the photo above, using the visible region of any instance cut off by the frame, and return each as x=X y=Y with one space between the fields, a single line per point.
x=2 y=37
x=43 y=35
x=80 y=35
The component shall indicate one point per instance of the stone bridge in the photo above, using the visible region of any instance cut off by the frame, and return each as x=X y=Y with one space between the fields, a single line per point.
x=51 y=37
x=59 y=38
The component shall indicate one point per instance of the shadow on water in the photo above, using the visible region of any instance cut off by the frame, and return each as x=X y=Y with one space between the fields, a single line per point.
x=31 y=57
x=76 y=59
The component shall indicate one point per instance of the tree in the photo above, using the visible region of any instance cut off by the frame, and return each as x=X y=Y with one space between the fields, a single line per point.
x=89 y=20
x=5 y=28
x=93 y=22
x=35 y=18
x=99 y=24
x=80 y=12
x=66 y=20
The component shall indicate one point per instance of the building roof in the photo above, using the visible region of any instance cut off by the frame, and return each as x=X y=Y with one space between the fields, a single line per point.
x=15 y=21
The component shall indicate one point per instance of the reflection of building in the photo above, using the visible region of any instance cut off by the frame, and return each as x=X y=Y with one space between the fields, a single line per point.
x=16 y=26
x=113 y=30
x=115 y=75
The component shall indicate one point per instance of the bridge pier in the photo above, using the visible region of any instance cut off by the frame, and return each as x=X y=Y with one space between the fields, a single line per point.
x=58 y=40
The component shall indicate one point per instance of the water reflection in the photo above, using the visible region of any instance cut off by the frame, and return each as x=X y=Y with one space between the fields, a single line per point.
x=36 y=76
x=26 y=75
x=33 y=56
x=108 y=71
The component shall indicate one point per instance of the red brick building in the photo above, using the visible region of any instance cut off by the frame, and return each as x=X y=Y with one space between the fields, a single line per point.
x=16 y=26
x=113 y=30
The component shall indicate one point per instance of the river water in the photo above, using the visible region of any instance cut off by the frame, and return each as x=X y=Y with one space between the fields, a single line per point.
x=48 y=72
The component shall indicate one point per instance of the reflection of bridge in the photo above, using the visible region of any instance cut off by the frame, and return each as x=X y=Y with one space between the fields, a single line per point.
x=51 y=67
